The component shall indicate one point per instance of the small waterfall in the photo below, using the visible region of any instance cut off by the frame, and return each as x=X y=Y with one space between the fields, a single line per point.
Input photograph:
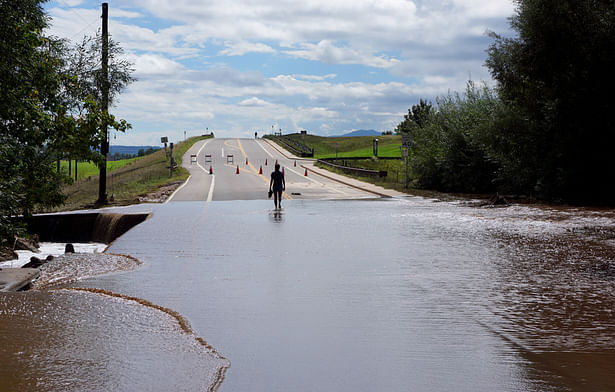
x=109 y=226
x=83 y=227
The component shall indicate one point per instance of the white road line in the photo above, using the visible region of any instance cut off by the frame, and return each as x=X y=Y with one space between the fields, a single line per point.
x=178 y=189
x=261 y=146
x=301 y=175
x=211 y=187
x=203 y=146
x=210 y=195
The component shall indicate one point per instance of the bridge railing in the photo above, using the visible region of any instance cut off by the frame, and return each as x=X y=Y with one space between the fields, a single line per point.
x=294 y=146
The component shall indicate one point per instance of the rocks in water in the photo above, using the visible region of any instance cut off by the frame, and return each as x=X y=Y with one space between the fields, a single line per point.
x=7 y=254
x=34 y=262
x=497 y=200
x=31 y=244
x=69 y=248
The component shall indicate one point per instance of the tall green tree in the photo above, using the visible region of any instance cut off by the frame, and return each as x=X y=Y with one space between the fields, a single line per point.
x=557 y=78
x=418 y=116
x=48 y=107
x=32 y=111
x=449 y=152
x=84 y=93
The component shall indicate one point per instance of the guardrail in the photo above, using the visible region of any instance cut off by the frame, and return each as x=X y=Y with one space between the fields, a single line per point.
x=296 y=148
x=355 y=170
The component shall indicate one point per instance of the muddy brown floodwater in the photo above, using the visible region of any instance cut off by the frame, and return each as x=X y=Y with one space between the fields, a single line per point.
x=67 y=340
x=408 y=294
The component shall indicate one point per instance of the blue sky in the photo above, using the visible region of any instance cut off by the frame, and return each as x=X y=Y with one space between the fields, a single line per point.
x=326 y=66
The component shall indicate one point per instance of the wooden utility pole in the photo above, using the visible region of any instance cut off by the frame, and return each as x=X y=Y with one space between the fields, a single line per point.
x=104 y=145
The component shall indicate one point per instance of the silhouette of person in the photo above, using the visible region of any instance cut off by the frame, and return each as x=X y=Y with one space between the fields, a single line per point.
x=277 y=185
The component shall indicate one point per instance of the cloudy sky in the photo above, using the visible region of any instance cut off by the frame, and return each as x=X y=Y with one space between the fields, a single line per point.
x=327 y=66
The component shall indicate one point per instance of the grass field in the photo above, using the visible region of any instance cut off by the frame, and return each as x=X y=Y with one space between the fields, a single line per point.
x=355 y=146
x=129 y=179
x=362 y=146
x=89 y=169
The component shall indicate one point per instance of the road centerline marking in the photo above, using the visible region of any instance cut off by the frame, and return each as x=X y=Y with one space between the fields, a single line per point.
x=286 y=195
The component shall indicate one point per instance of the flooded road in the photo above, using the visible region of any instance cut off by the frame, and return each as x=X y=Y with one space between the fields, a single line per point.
x=71 y=340
x=385 y=295
x=330 y=295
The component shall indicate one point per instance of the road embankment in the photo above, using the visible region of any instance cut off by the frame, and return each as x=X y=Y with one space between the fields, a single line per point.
x=83 y=227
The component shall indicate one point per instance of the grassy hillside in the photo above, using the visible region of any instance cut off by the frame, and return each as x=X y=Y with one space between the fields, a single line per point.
x=130 y=180
x=362 y=146
x=354 y=146
x=89 y=169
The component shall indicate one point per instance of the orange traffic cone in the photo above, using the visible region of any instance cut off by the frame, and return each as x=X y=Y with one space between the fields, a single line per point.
x=211 y=170
x=295 y=163
x=260 y=171
x=305 y=173
x=237 y=172
x=265 y=162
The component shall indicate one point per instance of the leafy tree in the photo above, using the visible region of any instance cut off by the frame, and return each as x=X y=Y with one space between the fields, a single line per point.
x=84 y=92
x=418 y=116
x=42 y=112
x=449 y=151
x=555 y=77
x=32 y=111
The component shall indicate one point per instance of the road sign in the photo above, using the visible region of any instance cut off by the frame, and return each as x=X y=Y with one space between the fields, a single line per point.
x=406 y=141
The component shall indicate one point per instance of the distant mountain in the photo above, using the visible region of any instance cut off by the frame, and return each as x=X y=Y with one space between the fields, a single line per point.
x=361 y=132
x=132 y=150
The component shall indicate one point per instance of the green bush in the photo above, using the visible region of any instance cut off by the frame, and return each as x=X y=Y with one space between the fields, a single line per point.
x=449 y=151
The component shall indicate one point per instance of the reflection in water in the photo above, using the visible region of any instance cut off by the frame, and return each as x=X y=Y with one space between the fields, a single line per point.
x=277 y=216
x=392 y=295
x=84 y=341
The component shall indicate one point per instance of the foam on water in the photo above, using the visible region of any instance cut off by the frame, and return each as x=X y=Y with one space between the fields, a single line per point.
x=53 y=249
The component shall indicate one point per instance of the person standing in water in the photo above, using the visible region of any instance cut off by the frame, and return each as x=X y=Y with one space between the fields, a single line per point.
x=277 y=185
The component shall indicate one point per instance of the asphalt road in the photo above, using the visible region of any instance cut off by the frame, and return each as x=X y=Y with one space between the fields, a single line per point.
x=249 y=156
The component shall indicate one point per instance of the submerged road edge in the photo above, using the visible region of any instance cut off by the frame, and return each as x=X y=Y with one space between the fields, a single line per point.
x=182 y=322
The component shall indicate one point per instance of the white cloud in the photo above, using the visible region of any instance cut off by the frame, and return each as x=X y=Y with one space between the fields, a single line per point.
x=252 y=102
x=77 y=23
x=326 y=52
x=70 y=3
x=485 y=9
x=314 y=77
x=154 y=64
x=188 y=59
x=243 y=47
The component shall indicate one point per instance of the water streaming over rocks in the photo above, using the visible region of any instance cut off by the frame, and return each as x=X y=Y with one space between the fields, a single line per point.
x=71 y=267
